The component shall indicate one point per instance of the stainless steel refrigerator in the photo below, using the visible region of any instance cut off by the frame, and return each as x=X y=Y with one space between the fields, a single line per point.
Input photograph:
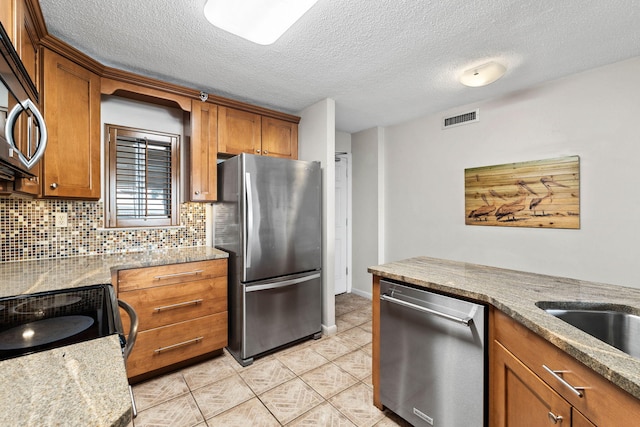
x=269 y=219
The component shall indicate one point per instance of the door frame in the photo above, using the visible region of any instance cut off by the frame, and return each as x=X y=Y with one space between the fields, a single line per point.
x=344 y=156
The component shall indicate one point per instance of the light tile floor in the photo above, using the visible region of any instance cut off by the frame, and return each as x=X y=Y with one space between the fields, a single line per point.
x=326 y=382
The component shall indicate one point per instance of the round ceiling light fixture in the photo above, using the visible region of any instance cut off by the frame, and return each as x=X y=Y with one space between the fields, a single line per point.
x=483 y=75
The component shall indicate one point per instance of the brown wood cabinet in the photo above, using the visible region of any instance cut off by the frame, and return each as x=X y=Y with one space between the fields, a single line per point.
x=522 y=390
x=239 y=131
x=71 y=100
x=19 y=19
x=182 y=313
x=203 y=152
x=244 y=132
x=279 y=138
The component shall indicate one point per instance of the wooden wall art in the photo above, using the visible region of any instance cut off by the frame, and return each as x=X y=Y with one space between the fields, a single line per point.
x=540 y=194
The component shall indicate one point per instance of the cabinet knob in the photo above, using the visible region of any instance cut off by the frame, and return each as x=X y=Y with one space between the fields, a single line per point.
x=54 y=185
x=196 y=193
x=555 y=418
x=265 y=152
x=257 y=151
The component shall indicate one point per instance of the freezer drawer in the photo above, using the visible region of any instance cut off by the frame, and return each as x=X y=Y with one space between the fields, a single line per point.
x=432 y=357
x=277 y=313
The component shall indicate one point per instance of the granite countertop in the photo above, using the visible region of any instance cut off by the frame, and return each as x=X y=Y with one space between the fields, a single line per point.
x=515 y=293
x=27 y=277
x=83 y=384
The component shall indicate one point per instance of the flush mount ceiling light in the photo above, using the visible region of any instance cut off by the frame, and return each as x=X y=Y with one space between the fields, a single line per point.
x=483 y=75
x=259 y=21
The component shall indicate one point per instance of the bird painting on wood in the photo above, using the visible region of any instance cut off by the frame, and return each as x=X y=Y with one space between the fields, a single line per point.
x=535 y=194
x=539 y=202
x=509 y=210
x=483 y=211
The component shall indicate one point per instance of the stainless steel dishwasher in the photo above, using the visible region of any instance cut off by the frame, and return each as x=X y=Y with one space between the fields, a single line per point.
x=432 y=357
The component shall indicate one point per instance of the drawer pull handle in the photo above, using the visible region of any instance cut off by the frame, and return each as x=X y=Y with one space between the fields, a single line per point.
x=557 y=375
x=555 y=418
x=186 y=273
x=178 y=305
x=180 y=344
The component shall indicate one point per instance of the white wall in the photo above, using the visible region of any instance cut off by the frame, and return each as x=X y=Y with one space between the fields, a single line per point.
x=595 y=115
x=343 y=142
x=316 y=141
x=367 y=149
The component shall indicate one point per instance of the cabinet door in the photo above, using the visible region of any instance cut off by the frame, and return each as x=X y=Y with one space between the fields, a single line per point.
x=279 y=138
x=71 y=95
x=238 y=132
x=520 y=397
x=203 y=152
x=579 y=420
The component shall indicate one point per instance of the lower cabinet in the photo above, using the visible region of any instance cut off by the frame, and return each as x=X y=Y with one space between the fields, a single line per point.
x=534 y=383
x=182 y=313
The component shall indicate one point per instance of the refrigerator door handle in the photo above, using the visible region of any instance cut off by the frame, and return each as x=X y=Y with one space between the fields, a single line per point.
x=275 y=285
x=249 y=219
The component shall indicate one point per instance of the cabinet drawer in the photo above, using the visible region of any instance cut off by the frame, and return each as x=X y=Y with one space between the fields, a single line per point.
x=160 y=347
x=602 y=402
x=164 y=305
x=149 y=277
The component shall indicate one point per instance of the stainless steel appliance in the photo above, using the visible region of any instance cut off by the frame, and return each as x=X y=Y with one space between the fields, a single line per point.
x=432 y=357
x=23 y=134
x=268 y=219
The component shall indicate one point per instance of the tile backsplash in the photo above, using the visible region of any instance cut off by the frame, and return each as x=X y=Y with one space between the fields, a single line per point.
x=28 y=231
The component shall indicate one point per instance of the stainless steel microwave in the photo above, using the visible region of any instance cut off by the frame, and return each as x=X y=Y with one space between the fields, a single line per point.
x=23 y=134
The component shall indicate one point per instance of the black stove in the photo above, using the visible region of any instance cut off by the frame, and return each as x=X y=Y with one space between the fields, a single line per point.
x=46 y=320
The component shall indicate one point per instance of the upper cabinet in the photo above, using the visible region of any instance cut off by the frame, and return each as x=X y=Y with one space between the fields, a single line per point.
x=71 y=100
x=203 y=152
x=245 y=132
x=279 y=138
x=19 y=19
x=238 y=132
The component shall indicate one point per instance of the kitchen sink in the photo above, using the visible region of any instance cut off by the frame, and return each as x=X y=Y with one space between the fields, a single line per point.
x=610 y=324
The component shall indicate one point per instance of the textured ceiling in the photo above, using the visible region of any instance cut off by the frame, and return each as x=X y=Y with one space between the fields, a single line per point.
x=382 y=61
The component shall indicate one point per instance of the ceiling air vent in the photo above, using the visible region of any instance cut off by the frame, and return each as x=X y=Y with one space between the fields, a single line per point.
x=461 y=119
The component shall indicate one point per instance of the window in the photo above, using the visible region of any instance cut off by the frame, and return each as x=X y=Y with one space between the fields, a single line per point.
x=142 y=178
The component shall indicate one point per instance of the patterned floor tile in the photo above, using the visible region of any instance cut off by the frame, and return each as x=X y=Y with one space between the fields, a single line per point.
x=357 y=363
x=156 y=391
x=290 y=400
x=343 y=325
x=357 y=404
x=356 y=335
x=250 y=413
x=208 y=372
x=332 y=348
x=368 y=327
x=266 y=376
x=392 y=420
x=222 y=395
x=368 y=348
x=328 y=380
x=179 y=412
x=302 y=360
x=323 y=415
x=357 y=317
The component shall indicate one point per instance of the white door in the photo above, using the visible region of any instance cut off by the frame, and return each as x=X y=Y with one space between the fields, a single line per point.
x=342 y=224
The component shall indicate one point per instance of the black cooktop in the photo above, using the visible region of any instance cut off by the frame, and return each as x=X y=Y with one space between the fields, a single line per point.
x=46 y=320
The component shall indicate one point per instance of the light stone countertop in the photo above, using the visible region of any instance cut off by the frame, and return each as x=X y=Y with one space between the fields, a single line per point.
x=515 y=293
x=28 y=277
x=83 y=384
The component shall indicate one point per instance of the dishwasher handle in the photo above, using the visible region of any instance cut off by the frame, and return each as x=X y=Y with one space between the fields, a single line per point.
x=467 y=321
